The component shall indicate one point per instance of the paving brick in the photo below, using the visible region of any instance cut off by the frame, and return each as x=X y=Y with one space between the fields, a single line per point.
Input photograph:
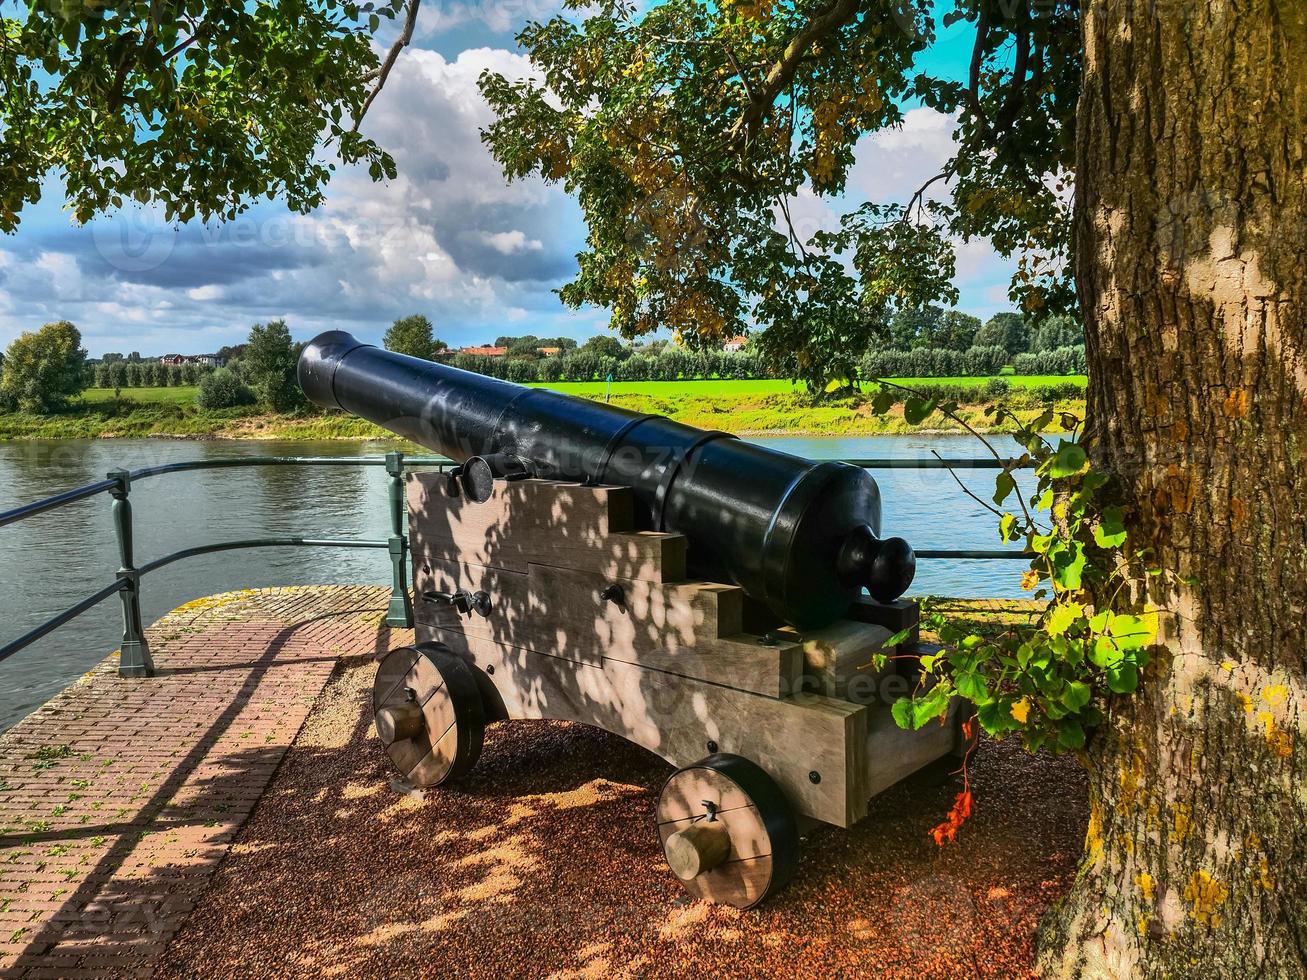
x=121 y=796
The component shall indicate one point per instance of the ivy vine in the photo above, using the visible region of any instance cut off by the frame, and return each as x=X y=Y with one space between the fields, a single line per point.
x=1048 y=682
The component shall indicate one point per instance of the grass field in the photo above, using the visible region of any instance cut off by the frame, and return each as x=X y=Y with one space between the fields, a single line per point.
x=183 y=395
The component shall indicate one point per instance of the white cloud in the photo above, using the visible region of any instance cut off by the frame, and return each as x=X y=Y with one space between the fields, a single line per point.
x=891 y=164
x=509 y=242
x=449 y=237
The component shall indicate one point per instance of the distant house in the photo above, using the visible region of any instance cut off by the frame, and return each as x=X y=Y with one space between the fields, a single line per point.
x=484 y=351
x=206 y=360
x=735 y=344
x=549 y=351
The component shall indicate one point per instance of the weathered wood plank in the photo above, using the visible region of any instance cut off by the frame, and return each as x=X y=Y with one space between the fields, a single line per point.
x=837 y=659
x=895 y=753
x=541 y=522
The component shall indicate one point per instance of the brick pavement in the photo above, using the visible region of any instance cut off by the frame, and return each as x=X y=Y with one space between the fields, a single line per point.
x=119 y=797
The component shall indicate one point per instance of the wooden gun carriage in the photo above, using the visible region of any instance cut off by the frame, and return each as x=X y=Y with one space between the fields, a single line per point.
x=545 y=597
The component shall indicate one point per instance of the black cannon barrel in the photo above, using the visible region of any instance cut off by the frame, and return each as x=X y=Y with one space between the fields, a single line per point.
x=800 y=536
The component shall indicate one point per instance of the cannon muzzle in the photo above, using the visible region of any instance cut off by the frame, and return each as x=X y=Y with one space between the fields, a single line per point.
x=802 y=537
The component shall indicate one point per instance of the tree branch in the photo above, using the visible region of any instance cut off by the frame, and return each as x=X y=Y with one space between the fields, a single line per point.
x=831 y=18
x=1016 y=93
x=918 y=198
x=380 y=75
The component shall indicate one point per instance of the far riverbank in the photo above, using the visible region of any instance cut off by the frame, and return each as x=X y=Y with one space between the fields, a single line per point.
x=748 y=408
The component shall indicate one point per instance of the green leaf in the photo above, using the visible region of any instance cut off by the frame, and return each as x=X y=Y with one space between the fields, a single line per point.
x=972 y=687
x=1067 y=461
x=902 y=712
x=1069 y=567
x=1134 y=632
x=1005 y=526
x=900 y=637
x=932 y=706
x=883 y=401
x=1062 y=616
x=1110 y=532
x=1024 y=653
x=1104 y=653
x=917 y=410
x=837 y=384
x=995 y=716
x=1123 y=679
x=1003 y=486
x=1071 y=735
x=1076 y=695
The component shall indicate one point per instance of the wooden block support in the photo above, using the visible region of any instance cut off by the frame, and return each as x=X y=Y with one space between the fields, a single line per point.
x=675 y=718
x=593 y=621
x=896 y=616
x=687 y=629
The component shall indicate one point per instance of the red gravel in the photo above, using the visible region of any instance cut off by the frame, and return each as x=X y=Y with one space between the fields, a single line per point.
x=545 y=862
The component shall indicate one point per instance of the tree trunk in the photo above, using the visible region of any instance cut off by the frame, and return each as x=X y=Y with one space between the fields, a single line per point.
x=1192 y=266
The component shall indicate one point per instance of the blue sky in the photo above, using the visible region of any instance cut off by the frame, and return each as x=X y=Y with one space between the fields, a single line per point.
x=448 y=238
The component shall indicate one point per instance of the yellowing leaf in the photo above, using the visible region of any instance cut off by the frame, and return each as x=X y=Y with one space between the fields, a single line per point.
x=1021 y=710
x=1062 y=616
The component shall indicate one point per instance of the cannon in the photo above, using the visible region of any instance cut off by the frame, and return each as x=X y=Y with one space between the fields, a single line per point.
x=696 y=594
x=799 y=536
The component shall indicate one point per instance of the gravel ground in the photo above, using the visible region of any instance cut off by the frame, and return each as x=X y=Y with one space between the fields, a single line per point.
x=545 y=863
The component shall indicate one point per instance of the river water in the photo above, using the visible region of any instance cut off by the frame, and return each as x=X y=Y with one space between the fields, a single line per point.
x=51 y=561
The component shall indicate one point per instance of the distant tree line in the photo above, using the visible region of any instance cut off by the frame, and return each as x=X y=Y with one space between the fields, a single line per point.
x=585 y=364
x=932 y=362
x=145 y=374
x=919 y=343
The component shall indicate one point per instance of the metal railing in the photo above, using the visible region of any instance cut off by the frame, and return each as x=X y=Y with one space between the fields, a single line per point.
x=135 y=651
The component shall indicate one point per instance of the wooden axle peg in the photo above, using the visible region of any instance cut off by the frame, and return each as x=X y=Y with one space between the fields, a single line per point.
x=728 y=833
x=398 y=721
x=698 y=848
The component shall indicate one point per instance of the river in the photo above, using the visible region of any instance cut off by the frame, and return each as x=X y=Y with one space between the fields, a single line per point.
x=53 y=560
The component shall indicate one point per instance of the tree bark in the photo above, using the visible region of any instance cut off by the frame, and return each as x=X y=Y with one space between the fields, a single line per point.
x=1192 y=267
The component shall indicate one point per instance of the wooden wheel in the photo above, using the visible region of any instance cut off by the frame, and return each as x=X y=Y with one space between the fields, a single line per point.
x=428 y=713
x=728 y=832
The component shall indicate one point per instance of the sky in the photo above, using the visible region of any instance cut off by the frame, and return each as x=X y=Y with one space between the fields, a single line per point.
x=449 y=238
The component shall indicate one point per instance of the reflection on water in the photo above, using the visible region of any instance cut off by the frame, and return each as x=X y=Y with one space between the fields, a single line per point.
x=51 y=561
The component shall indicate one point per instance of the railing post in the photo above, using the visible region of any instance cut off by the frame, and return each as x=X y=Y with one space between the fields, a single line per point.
x=401 y=605
x=135 y=655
